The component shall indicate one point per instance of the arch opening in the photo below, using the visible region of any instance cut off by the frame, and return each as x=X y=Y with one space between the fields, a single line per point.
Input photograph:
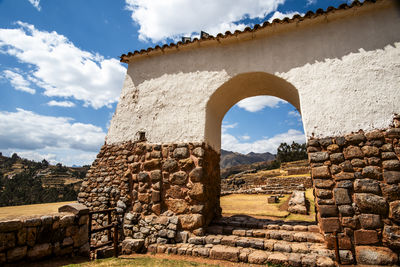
x=240 y=87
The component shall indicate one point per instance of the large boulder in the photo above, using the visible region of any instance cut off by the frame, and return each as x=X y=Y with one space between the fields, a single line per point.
x=297 y=203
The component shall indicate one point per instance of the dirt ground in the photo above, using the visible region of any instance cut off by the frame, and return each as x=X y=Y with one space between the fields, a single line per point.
x=30 y=210
x=257 y=206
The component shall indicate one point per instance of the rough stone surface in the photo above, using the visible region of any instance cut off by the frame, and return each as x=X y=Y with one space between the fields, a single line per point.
x=375 y=255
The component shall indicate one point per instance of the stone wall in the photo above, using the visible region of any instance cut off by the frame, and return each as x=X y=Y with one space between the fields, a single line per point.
x=35 y=238
x=356 y=180
x=157 y=189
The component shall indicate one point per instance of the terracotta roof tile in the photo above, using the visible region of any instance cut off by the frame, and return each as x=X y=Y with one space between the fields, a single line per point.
x=297 y=17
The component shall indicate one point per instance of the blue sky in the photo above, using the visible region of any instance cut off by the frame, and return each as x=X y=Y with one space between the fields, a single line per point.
x=60 y=75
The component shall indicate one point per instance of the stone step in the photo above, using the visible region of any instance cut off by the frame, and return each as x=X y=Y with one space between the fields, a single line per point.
x=229 y=224
x=303 y=244
x=316 y=257
x=290 y=236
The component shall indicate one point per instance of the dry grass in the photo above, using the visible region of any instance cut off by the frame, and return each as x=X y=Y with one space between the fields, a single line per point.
x=251 y=204
x=30 y=210
x=257 y=205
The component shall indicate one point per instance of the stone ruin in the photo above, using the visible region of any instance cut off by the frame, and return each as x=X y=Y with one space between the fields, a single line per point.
x=159 y=165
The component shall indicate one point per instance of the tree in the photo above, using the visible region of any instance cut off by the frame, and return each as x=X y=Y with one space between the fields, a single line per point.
x=45 y=163
x=292 y=152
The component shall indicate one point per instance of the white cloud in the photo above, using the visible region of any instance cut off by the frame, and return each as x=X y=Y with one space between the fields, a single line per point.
x=61 y=68
x=33 y=155
x=231 y=143
x=257 y=103
x=33 y=134
x=18 y=81
x=66 y=104
x=311 y=2
x=293 y=113
x=160 y=19
x=279 y=15
x=35 y=3
x=245 y=137
x=226 y=126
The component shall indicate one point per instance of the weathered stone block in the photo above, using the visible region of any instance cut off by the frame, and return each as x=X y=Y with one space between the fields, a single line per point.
x=196 y=175
x=143 y=177
x=341 y=196
x=358 y=163
x=345 y=184
x=393 y=164
x=319 y=183
x=391 y=192
x=391 y=237
x=365 y=237
x=351 y=152
x=144 y=198
x=375 y=255
x=75 y=208
x=152 y=164
x=346 y=210
x=394 y=211
x=321 y=172
x=336 y=158
x=350 y=222
x=197 y=191
x=39 y=251
x=344 y=176
x=366 y=186
x=355 y=138
x=16 y=254
x=155 y=176
x=374 y=135
x=370 y=203
x=328 y=210
x=370 y=221
x=7 y=240
x=346 y=256
x=391 y=177
x=258 y=257
x=178 y=178
x=323 y=193
x=220 y=252
x=10 y=225
x=372 y=172
x=191 y=221
x=318 y=156
x=181 y=153
x=370 y=151
x=130 y=246
x=177 y=206
x=329 y=225
x=170 y=165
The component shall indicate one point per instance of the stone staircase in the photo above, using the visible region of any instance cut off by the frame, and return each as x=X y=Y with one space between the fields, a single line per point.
x=256 y=241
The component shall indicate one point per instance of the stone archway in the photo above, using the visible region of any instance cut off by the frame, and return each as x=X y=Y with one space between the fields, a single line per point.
x=159 y=164
x=239 y=87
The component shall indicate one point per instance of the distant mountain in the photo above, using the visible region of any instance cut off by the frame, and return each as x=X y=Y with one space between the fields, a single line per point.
x=231 y=159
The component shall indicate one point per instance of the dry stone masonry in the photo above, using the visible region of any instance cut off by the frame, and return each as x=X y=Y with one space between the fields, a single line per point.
x=356 y=179
x=157 y=189
x=36 y=238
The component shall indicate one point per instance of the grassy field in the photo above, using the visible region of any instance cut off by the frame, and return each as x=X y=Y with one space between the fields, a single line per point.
x=252 y=204
x=30 y=210
x=257 y=205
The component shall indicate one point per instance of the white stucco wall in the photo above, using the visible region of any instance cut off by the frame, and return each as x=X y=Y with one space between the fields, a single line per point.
x=345 y=67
